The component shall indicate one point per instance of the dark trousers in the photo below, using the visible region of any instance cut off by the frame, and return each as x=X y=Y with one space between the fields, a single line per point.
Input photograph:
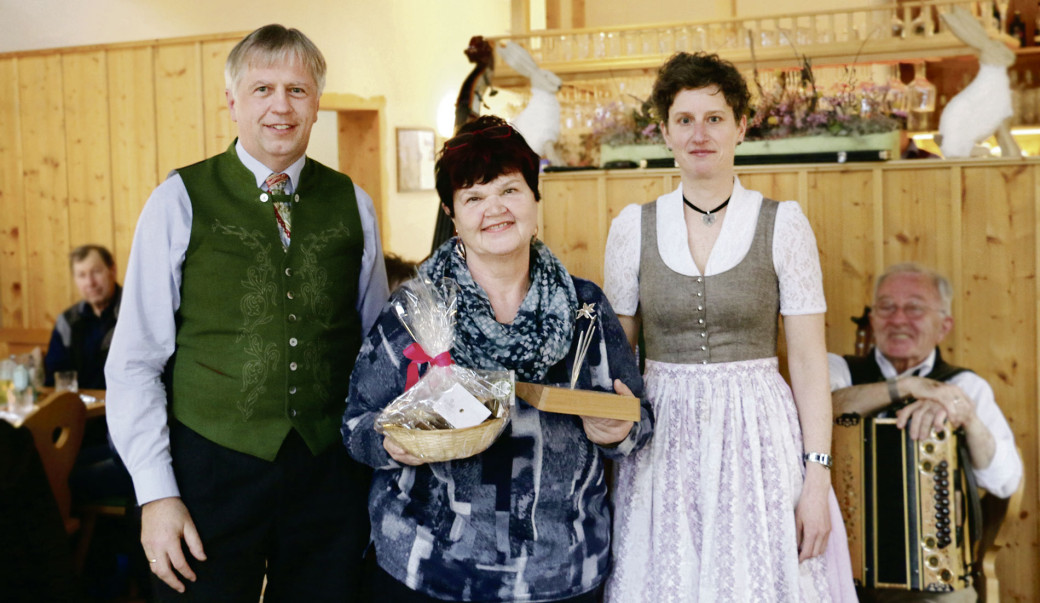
x=301 y=520
x=386 y=589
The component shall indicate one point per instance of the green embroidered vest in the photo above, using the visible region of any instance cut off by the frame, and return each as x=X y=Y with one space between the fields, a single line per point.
x=266 y=338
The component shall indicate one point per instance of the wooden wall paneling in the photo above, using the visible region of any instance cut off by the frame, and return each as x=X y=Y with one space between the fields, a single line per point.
x=623 y=191
x=179 y=107
x=781 y=185
x=572 y=230
x=42 y=119
x=840 y=206
x=219 y=129
x=918 y=218
x=133 y=143
x=998 y=306
x=13 y=249
x=918 y=226
x=85 y=88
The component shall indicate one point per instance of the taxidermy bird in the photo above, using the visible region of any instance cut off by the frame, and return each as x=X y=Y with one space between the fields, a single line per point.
x=984 y=106
x=539 y=122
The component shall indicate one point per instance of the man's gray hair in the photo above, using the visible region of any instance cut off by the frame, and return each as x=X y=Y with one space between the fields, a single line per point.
x=941 y=283
x=273 y=44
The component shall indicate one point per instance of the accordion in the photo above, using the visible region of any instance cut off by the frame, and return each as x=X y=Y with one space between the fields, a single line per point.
x=904 y=505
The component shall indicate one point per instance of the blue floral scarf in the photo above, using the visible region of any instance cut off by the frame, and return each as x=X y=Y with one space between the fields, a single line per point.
x=539 y=336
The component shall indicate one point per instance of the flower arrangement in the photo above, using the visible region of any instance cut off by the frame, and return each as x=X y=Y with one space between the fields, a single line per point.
x=619 y=124
x=796 y=107
x=790 y=104
x=614 y=124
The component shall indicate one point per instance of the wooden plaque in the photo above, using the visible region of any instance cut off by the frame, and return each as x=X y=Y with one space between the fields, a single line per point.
x=579 y=402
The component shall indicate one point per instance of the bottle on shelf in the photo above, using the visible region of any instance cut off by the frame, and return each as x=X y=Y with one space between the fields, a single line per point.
x=1017 y=28
x=922 y=100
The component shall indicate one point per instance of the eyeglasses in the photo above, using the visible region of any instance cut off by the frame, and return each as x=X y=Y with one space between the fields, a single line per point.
x=503 y=131
x=912 y=310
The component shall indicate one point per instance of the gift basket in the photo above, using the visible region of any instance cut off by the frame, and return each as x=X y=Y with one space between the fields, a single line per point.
x=452 y=412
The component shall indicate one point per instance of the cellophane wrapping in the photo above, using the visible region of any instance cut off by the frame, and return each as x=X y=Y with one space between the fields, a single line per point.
x=427 y=310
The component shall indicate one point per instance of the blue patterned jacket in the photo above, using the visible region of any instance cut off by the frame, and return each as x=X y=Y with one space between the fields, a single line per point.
x=526 y=520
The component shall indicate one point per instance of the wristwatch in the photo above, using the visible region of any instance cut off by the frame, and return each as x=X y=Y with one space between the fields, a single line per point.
x=818 y=457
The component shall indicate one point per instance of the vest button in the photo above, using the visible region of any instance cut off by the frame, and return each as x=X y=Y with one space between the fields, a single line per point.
x=296 y=197
x=698 y=279
x=292 y=341
x=288 y=272
x=699 y=308
x=293 y=366
x=292 y=412
x=699 y=294
x=292 y=318
x=703 y=335
x=292 y=390
x=264 y=197
x=700 y=321
x=704 y=348
x=290 y=295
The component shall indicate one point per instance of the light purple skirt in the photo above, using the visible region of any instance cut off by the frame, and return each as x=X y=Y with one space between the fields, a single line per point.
x=705 y=512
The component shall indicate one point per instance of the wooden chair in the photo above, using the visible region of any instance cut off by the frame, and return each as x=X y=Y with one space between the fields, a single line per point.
x=995 y=535
x=57 y=426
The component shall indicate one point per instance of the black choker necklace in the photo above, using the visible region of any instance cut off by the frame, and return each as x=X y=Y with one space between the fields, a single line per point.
x=709 y=216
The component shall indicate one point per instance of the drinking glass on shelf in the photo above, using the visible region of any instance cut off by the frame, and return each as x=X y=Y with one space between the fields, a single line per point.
x=66 y=381
x=6 y=376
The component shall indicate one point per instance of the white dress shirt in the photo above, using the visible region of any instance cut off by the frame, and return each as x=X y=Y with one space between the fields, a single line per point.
x=145 y=335
x=1004 y=473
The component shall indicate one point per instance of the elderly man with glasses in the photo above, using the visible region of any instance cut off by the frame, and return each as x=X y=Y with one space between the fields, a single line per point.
x=911 y=315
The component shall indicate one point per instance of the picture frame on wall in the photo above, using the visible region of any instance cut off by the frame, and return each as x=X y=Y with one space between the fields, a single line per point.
x=415 y=159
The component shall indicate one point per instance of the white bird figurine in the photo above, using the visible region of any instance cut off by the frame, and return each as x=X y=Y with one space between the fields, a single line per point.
x=984 y=106
x=539 y=122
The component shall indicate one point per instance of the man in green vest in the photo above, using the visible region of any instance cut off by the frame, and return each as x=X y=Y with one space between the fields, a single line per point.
x=911 y=315
x=252 y=278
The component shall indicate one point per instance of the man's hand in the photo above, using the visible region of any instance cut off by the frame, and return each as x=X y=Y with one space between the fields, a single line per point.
x=164 y=523
x=812 y=515
x=608 y=431
x=401 y=455
x=935 y=404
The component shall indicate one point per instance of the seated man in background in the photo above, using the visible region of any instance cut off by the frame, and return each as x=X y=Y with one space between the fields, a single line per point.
x=911 y=315
x=83 y=332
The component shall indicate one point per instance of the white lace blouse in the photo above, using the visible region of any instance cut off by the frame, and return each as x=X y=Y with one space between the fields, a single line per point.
x=795 y=256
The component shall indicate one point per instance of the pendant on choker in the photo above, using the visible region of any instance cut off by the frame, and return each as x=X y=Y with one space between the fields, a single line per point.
x=708 y=217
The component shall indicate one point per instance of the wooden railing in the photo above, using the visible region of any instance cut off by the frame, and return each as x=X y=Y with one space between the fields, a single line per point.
x=892 y=32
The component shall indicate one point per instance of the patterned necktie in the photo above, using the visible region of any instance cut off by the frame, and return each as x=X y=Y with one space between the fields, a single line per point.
x=282 y=209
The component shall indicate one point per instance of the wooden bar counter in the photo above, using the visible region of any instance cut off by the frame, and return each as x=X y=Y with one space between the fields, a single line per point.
x=974 y=220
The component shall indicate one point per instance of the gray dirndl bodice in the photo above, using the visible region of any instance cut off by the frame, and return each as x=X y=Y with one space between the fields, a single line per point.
x=725 y=317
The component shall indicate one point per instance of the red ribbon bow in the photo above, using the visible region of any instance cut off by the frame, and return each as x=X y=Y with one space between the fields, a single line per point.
x=417 y=355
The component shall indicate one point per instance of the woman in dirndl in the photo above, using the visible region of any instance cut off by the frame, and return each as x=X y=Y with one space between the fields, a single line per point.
x=732 y=499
